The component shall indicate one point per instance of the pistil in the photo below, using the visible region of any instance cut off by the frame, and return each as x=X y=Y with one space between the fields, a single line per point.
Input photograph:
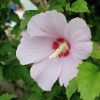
x=63 y=47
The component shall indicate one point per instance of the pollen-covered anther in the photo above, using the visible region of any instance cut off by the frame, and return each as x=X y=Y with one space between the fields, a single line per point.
x=61 y=50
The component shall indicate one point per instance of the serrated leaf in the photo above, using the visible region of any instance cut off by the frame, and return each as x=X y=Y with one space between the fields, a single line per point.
x=72 y=87
x=88 y=80
x=7 y=96
x=78 y=6
x=27 y=15
x=96 y=51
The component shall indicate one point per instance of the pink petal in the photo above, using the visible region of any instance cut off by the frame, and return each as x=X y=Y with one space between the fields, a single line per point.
x=82 y=50
x=77 y=31
x=50 y=23
x=33 y=49
x=46 y=73
x=69 y=70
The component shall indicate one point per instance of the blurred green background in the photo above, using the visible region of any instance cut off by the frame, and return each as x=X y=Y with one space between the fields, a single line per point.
x=15 y=80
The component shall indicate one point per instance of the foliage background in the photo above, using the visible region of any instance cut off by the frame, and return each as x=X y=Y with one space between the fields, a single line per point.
x=15 y=80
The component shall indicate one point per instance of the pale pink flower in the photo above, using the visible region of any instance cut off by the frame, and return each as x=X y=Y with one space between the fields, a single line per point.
x=55 y=47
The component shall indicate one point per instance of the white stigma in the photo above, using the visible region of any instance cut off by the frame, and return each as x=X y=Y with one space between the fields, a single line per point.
x=62 y=48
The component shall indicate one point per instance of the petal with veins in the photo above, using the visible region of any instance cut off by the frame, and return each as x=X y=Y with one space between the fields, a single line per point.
x=46 y=73
x=51 y=23
x=33 y=49
x=77 y=31
x=69 y=70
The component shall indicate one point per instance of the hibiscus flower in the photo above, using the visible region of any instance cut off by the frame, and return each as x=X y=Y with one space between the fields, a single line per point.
x=55 y=47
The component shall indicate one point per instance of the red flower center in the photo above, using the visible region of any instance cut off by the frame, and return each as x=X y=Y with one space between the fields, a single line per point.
x=62 y=45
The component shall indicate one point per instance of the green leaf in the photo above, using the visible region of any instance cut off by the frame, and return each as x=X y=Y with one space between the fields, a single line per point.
x=72 y=87
x=33 y=91
x=15 y=71
x=30 y=94
x=96 y=51
x=57 y=5
x=88 y=80
x=75 y=96
x=1 y=73
x=16 y=30
x=56 y=90
x=14 y=17
x=27 y=15
x=5 y=47
x=7 y=96
x=16 y=1
x=3 y=4
x=68 y=7
x=78 y=6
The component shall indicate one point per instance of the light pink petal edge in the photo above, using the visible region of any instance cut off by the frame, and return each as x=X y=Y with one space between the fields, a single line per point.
x=46 y=73
x=77 y=31
x=33 y=49
x=50 y=23
x=69 y=70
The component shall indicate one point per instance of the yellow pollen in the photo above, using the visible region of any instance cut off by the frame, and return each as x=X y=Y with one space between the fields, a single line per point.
x=62 y=48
